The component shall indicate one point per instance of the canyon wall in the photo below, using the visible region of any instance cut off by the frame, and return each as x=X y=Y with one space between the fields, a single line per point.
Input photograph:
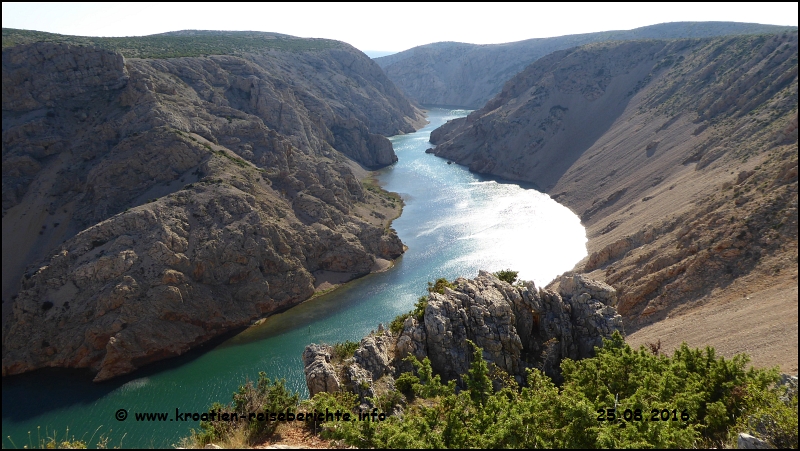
x=150 y=205
x=679 y=156
x=469 y=75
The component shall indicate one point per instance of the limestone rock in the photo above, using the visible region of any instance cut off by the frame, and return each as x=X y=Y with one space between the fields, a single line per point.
x=40 y=75
x=373 y=354
x=578 y=284
x=359 y=381
x=176 y=199
x=412 y=341
x=469 y=75
x=512 y=325
x=788 y=384
x=516 y=326
x=747 y=441
x=320 y=374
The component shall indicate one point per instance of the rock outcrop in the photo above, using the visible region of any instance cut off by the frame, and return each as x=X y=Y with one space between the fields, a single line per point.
x=679 y=156
x=150 y=205
x=469 y=75
x=320 y=374
x=517 y=326
x=747 y=441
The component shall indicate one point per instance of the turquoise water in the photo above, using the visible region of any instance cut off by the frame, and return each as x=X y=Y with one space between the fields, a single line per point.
x=454 y=223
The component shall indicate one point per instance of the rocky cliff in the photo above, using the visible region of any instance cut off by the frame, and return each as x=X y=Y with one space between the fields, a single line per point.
x=150 y=205
x=517 y=326
x=679 y=156
x=469 y=75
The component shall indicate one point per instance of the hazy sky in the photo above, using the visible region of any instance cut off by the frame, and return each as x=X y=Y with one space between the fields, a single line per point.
x=382 y=26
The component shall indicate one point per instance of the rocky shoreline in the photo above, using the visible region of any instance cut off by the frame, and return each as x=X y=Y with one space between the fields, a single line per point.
x=517 y=326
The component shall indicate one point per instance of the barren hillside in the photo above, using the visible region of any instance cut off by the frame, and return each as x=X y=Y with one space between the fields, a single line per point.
x=681 y=159
x=150 y=205
x=469 y=75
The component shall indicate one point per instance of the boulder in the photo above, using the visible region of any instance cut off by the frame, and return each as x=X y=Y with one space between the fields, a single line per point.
x=575 y=285
x=320 y=374
x=747 y=441
x=373 y=354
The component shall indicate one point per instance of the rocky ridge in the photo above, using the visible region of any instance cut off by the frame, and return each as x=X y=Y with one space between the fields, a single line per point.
x=150 y=205
x=469 y=75
x=517 y=326
x=679 y=156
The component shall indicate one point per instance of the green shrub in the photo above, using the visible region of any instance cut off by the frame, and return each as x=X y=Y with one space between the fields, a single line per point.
x=477 y=377
x=322 y=401
x=55 y=442
x=388 y=401
x=345 y=350
x=429 y=385
x=772 y=419
x=439 y=286
x=266 y=396
x=703 y=394
x=396 y=326
x=507 y=275
x=405 y=384
x=212 y=431
x=419 y=308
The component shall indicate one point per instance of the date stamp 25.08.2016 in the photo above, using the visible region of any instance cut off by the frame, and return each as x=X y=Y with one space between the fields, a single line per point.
x=611 y=414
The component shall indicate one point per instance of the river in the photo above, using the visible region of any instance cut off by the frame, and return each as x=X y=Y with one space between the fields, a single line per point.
x=454 y=223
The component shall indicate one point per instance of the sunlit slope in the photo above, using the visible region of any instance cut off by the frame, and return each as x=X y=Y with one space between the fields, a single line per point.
x=679 y=156
x=468 y=75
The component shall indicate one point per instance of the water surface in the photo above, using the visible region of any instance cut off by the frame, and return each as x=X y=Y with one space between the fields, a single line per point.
x=454 y=223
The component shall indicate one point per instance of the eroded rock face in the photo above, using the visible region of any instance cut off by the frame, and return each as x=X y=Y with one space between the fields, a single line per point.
x=469 y=75
x=42 y=75
x=514 y=325
x=373 y=354
x=675 y=183
x=517 y=327
x=575 y=285
x=150 y=205
x=320 y=374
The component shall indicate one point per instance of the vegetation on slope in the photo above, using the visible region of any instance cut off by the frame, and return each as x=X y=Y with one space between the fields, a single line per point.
x=620 y=398
x=396 y=326
x=177 y=44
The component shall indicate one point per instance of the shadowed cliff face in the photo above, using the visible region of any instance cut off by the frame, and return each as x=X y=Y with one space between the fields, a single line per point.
x=469 y=75
x=150 y=205
x=679 y=156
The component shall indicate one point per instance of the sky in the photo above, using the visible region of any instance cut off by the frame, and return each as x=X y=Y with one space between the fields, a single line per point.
x=382 y=26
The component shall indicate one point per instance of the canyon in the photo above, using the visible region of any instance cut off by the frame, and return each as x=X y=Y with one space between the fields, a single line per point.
x=150 y=205
x=680 y=157
x=159 y=194
x=469 y=75
x=228 y=185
